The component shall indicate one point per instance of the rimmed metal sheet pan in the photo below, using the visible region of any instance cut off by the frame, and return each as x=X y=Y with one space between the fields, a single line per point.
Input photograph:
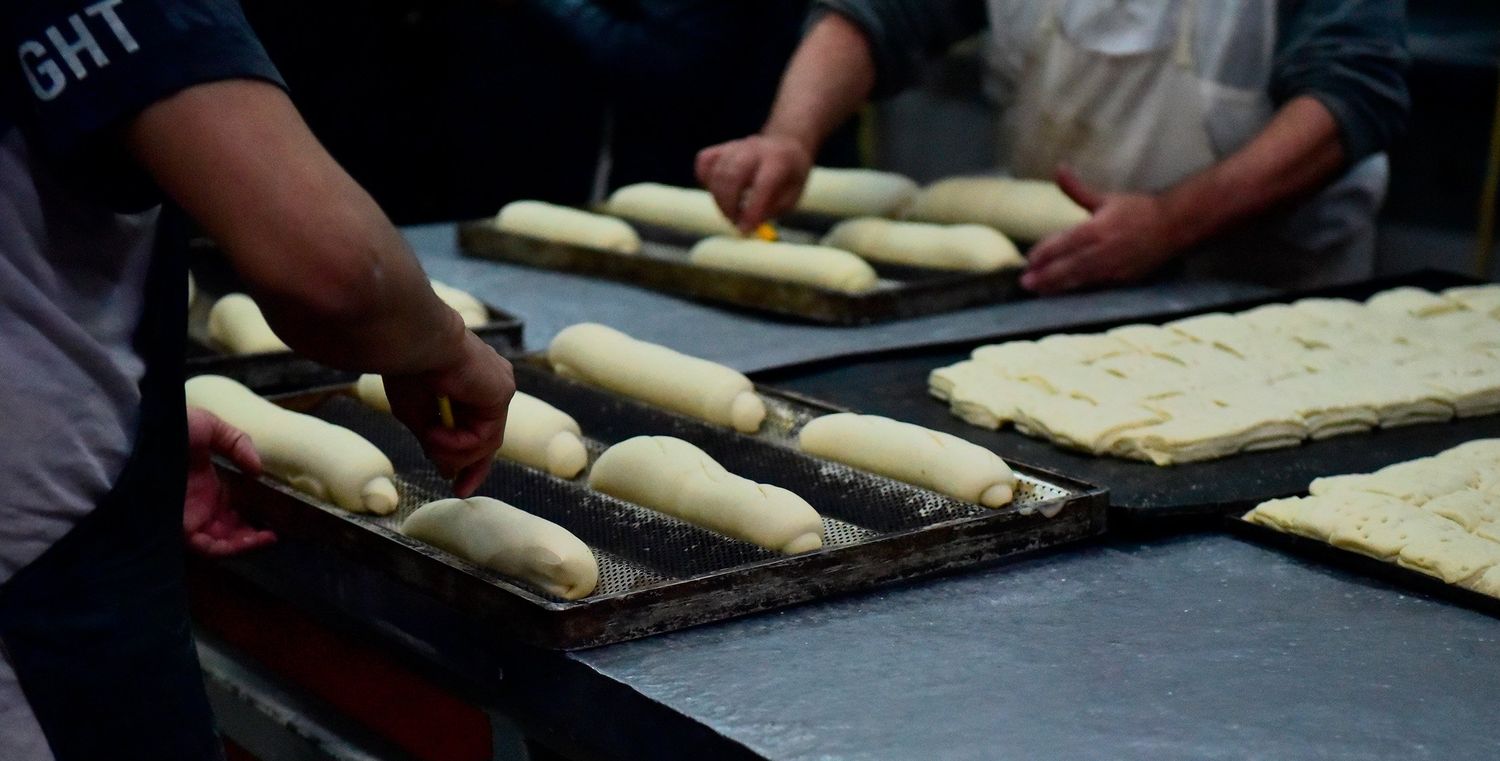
x=657 y=573
x=662 y=265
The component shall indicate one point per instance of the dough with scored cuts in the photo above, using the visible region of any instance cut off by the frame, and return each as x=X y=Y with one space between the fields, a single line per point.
x=1027 y=210
x=605 y=357
x=236 y=324
x=972 y=248
x=496 y=535
x=564 y=224
x=319 y=458
x=536 y=433
x=687 y=209
x=674 y=477
x=913 y=454
x=815 y=265
x=856 y=193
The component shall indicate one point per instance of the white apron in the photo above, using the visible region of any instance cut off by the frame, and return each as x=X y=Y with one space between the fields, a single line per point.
x=1128 y=106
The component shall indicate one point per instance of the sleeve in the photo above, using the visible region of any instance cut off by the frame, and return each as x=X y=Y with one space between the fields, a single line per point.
x=903 y=34
x=1350 y=55
x=78 y=69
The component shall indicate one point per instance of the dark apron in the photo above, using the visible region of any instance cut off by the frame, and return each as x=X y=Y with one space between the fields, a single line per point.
x=97 y=627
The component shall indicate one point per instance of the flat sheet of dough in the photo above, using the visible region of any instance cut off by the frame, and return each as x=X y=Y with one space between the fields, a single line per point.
x=913 y=454
x=856 y=193
x=1026 y=210
x=605 y=357
x=499 y=536
x=968 y=248
x=821 y=266
x=679 y=479
x=687 y=209
x=318 y=458
x=564 y=224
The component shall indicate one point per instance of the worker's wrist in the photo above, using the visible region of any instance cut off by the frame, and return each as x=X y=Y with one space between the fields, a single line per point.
x=801 y=139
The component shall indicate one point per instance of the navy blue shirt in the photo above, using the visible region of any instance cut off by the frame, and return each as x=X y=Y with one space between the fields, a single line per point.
x=77 y=70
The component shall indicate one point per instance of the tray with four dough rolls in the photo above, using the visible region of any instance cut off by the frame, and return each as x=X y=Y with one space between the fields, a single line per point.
x=1143 y=496
x=662 y=265
x=283 y=371
x=657 y=573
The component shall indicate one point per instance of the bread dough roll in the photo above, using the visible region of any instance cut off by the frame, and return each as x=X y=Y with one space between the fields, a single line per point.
x=493 y=534
x=687 y=209
x=815 y=265
x=1027 y=210
x=236 y=324
x=973 y=248
x=536 y=433
x=329 y=462
x=607 y=358
x=913 y=454
x=563 y=224
x=471 y=309
x=856 y=193
x=674 y=477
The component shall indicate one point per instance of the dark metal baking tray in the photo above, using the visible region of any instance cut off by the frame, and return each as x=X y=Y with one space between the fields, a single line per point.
x=662 y=265
x=281 y=372
x=657 y=573
x=1143 y=496
x=1323 y=552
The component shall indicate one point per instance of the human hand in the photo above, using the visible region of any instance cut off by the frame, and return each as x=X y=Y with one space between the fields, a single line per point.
x=756 y=178
x=480 y=384
x=210 y=524
x=1128 y=236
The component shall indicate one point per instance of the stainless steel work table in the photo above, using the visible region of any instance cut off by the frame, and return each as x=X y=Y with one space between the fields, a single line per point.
x=1198 y=646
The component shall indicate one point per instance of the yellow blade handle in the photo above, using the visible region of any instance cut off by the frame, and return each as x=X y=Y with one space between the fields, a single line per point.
x=445 y=411
x=767 y=232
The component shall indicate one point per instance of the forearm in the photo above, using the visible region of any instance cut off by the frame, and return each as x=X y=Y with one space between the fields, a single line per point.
x=334 y=278
x=1294 y=155
x=829 y=78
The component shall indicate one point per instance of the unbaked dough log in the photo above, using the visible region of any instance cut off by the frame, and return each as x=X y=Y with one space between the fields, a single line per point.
x=686 y=209
x=471 y=309
x=536 y=433
x=313 y=456
x=236 y=324
x=607 y=358
x=973 y=248
x=674 y=477
x=563 y=224
x=495 y=535
x=913 y=454
x=1026 y=210
x=856 y=193
x=815 y=265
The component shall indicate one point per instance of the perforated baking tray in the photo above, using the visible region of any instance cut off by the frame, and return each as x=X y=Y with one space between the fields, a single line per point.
x=1391 y=573
x=658 y=573
x=283 y=371
x=663 y=265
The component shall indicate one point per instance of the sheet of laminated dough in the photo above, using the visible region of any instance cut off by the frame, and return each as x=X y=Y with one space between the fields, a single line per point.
x=913 y=454
x=326 y=461
x=1414 y=302
x=536 y=433
x=471 y=309
x=686 y=209
x=1026 y=210
x=969 y=248
x=1483 y=299
x=496 y=535
x=856 y=193
x=674 y=477
x=564 y=224
x=236 y=324
x=605 y=357
x=821 y=266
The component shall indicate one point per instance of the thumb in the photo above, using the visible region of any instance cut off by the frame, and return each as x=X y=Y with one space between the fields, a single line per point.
x=1076 y=189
